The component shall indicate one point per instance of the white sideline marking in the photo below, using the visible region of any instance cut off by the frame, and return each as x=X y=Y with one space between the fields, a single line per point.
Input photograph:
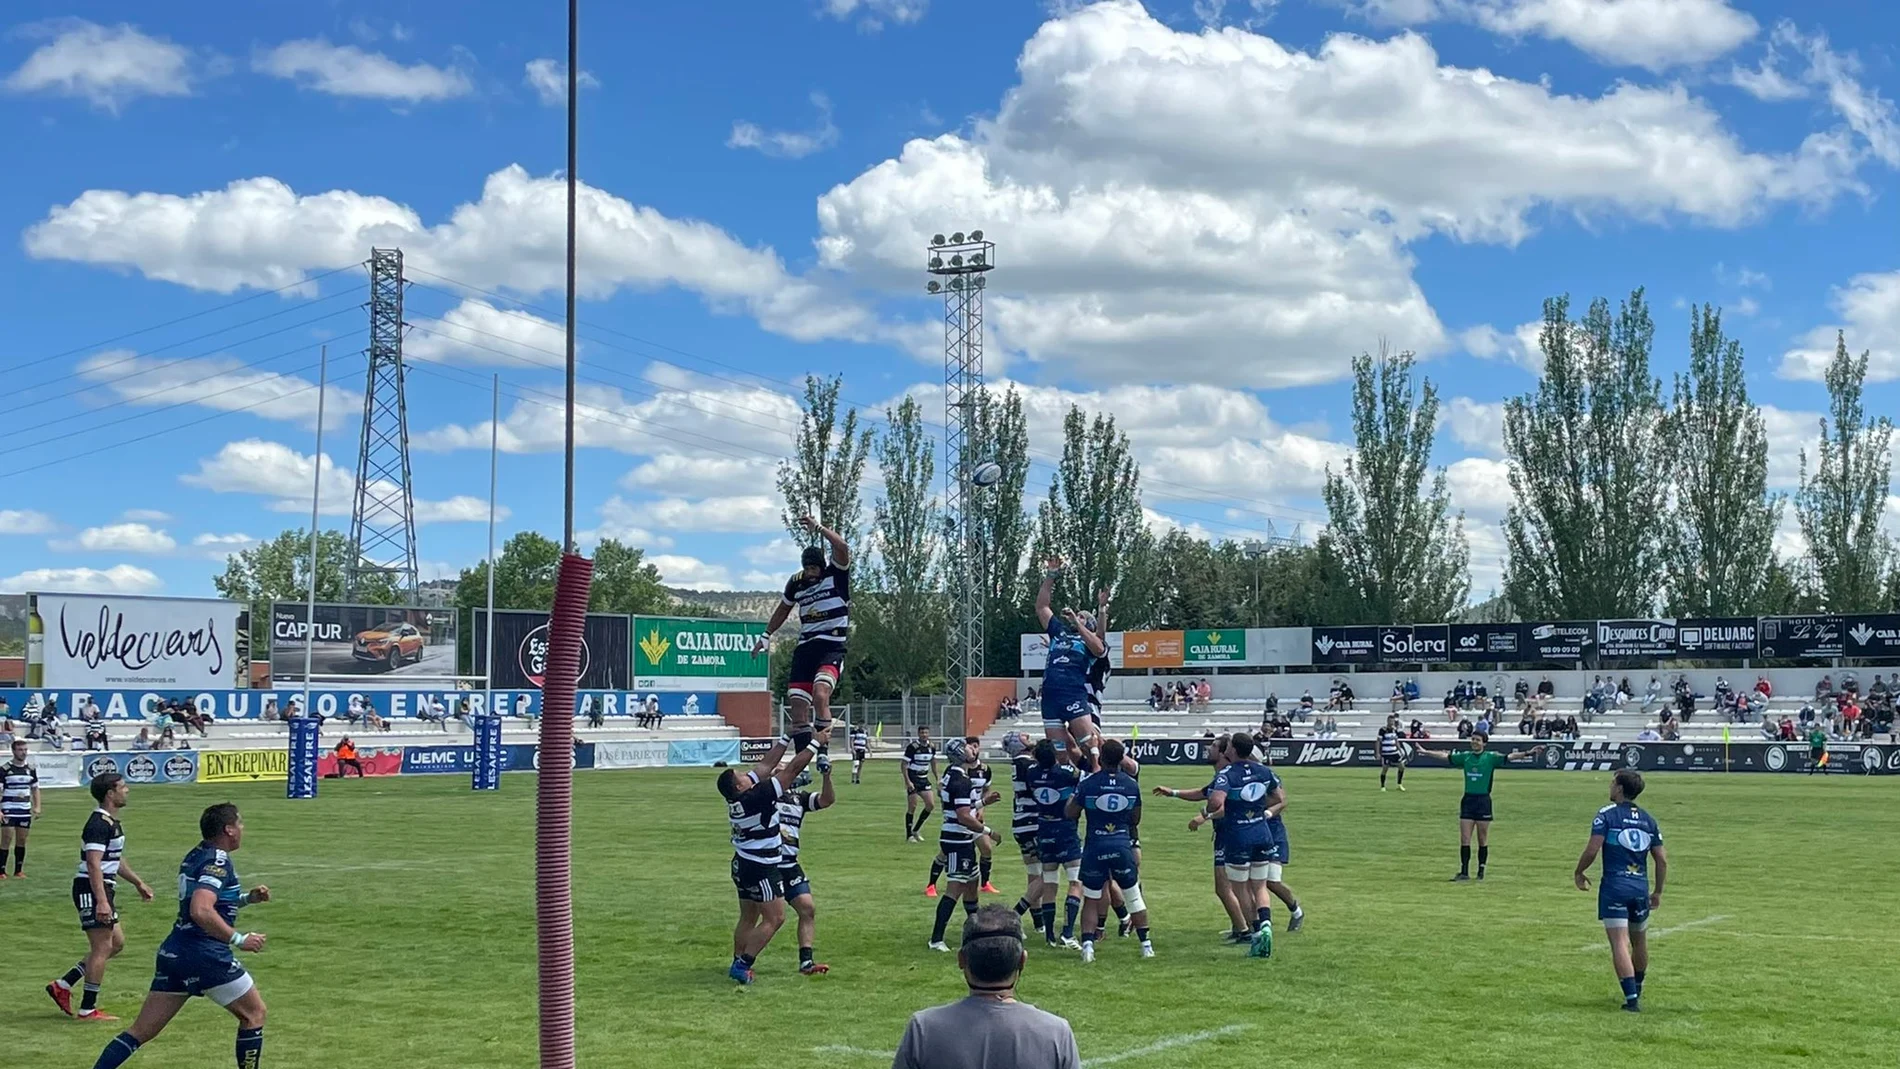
x=1657 y=932
x=1166 y=1043
x=1169 y=1043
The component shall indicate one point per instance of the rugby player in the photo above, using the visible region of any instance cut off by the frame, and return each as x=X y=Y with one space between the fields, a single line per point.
x=919 y=769
x=1628 y=839
x=196 y=959
x=19 y=804
x=1051 y=783
x=1112 y=799
x=1218 y=756
x=757 y=845
x=860 y=742
x=1474 y=809
x=1022 y=825
x=821 y=591
x=1242 y=793
x=980 y=778
x=101 y=863
x=962 y=827
x=1073 y=641
x=791 y=818
x=1390 y=753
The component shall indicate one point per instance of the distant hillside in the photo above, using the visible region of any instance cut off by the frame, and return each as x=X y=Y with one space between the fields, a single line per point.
x=731 y=604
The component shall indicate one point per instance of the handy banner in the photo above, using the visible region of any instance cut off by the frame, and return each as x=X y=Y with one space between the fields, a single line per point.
x=685 y=753
x=642 y=754
x=301 y=781
x=486 y=775
x=1208 y=648
x=366 y=640
x=1649 y=639
x=1552 y=755
x=1717 y=637
x=115 y=640
x=375 y=761
x=521 y=650
x=1816 y=636
x=674 y=653
x=143 y=766
x=243 y=766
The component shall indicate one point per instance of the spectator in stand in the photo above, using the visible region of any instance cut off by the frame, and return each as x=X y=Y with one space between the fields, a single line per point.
x=1850 y=717
x=1806 y=715
x=431 y=711
x=1464 y=728
x=144 y=741
x=270 y=713
x=1756 y=705
x=1306 y=710
x=1770 y=731
x=96 y=734
x=1521 y=690
x=1625 y=690
x=1878 y=692
x=1483 y=726
x=1546 y=690
x=6 y=729
x=1571 y=730
x=1685 y=700
x=1671 y=730
x=1648 y=734
x=1272 y=706
x=653 y=710
x=1786 y=731
x=1398 y=700
x=1418 y=730
x=1480 y=694
x=1765 y=688
x=1156 y=699
x=596 y=711
x=346 y=758
x=1206 y=692
x=166 y=740
x=1652 y=696
x=1527 y=720
x=6 y=713
x=1411 y=689
x=1722 y=688
x=1824 y=689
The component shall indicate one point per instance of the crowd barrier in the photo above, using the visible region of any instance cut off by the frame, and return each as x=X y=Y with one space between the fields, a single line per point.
x=1558 y=756
x=253 y=766
x=331 y=700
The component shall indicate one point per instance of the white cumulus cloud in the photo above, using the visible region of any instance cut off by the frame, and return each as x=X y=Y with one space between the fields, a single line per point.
x=104 y=65
x=548 y=79
x=476 y=332
x=690 y=572
x=276 y=471
x=118 y=579
x=224 y=384
x=348 y=71
x=25 y=522
x=791 y=144
x=1869 y=313
x=1476 y=425
x=121 y=538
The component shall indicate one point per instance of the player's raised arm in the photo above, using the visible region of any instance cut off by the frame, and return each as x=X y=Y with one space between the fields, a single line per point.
x=797 y=764
x=1195 y=795
x=768 y=764
x=1442 y=755
x=1044 y=593
x=1101 y=612
x=840 y=552
x=826 y=794
x=779 y=615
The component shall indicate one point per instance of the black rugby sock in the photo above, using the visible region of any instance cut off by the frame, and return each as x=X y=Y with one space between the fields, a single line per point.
x=1464 y=860
x=19 y=857
x=986 y=865
x=90 y=999
x=1484 y=857
x=945 y=907
x=250 y=1047
x=936 y=870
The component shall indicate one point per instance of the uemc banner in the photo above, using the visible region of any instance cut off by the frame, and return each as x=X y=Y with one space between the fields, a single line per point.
x=161 y=766
x=1801 y=636
x=111 y=640
x=1725 y=637
x=521 y=650
x=1652 y=639
x=672 y=653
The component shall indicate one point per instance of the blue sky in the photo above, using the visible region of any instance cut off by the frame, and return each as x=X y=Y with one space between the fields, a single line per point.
x=1202 y=211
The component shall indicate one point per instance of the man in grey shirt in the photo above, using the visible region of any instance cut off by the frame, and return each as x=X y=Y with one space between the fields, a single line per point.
x=989 y=1029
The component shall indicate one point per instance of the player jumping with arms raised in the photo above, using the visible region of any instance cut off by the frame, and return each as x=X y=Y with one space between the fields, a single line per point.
x=101 y=864
x=821 y=592
x=1073 y=644
x=196 y=958
x=19 y=804
x=757 y=848
x=1474 y=809
x=1628 y=839
x=1111 y=798
x=791 y=818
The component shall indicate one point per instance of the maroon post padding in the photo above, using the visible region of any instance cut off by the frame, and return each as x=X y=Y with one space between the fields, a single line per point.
x=554 y=803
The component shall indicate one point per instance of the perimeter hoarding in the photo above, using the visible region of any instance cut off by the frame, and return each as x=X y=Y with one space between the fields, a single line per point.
x=1212 y=648
x=368 y=640
x=675 y=653
x=521 y=650
x=108 y=641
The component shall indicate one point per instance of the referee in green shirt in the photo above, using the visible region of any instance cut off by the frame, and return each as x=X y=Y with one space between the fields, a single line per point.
x=1474 y=810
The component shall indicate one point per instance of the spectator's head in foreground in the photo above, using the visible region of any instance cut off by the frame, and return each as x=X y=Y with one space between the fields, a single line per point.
x=992 y=954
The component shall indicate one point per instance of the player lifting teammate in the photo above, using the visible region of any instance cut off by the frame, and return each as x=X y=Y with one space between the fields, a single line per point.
x=1073 y=643
x=1112 y=799
x=1390 y=754
x=919 y=769
x=962 y=827
x=1022 y=824
x=1628 y=838
x=1474 y=809
x=821 y=592
x=791 y=818
x=752 y=800
x=1051 y=784
x=19 y=804
x=101 y=864
x=196 y=958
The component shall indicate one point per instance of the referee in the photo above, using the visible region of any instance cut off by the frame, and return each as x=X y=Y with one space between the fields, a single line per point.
x=988 y=1029
x=1474 y=809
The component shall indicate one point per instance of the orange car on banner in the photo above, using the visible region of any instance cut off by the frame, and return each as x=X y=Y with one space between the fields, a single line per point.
x=1151 y=649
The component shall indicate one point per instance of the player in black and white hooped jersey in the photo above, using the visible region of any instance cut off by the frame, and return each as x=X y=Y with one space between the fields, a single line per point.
x=791 y=818
x=981 y=777
x=860 y=745
x=1022 y=821
x=962 y=827
x=101 y=866
x=19 y=804
x=919 y=769
x=1390 y=753
x=821 y=592
x=752 y=799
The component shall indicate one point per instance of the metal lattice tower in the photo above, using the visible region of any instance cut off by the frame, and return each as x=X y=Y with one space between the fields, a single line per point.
x=959 y=266
x=383 y=523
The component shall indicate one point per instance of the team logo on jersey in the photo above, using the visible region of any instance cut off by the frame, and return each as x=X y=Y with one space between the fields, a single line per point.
x=141 y=769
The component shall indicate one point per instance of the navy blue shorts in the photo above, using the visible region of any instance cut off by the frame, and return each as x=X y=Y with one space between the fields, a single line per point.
x=1620 y=907
x=21 y=822
x=1058 y=851
x=1059 y=708
x=1106 y=863
x=1283 y=851
x=193 y=969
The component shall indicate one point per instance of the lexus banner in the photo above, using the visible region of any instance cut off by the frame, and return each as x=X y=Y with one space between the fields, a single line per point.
x=521 y=650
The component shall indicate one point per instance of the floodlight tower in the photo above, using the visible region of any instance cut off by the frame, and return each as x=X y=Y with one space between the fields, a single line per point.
x=959 y=266
x=383 y=521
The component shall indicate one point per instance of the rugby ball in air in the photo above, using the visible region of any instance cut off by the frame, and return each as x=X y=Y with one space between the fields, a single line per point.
x=988 y=473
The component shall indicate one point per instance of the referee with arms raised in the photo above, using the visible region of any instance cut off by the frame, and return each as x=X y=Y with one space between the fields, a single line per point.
x=1474 y=809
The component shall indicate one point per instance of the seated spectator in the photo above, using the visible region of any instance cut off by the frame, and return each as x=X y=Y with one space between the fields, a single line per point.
x=1306 y=710
x=1464 y=728
x=1648 y=734
x=1522 y=692
x=1570 y=729
x=1625 y=690
x=1418 y=730
x=1527 y=722
x=1411 y=689
x=1398 y=699
x=96 y=734
x=1824 y=689
x=1770 y=731
x=1850 y=683
x=144 y=741
x=1767 y=689
x=596 y=713
x=1333 y=700
x=1850 y=716
x=1272 y=706
x=91 y=713
x=654 y=717
x=692 y=705
x=1033 y=695
x=6 y=728
x=1685 y=706
x=1156 y=699
x=1756 y=706
x=185 y=713
x=1878 y=690
x=1652 y=696
x=271 y=712
x=1806 y=715
x=1483 y=726
x=1207 y=731
x=1205 y=692
x=1672 y=730
x=166 y=740
x=346 y=758
x=430 y=710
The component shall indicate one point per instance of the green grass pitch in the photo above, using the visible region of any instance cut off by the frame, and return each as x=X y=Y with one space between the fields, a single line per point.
x=403 y=933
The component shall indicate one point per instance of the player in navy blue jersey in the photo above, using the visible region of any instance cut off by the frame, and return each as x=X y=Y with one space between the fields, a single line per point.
x=1073 y=645
x=1111 y=799
x=1242 y=794
x=1218 y=756
x=197 y=957
x=1629 y=840
x=1051 y=784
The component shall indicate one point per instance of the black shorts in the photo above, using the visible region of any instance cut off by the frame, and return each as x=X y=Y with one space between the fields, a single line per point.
x=812 y=660
x=959 y=861
x=1475 y=807
x=918 y=785
x=1026 y=842
x=857 y=755
x=88 y=909
x=793 y=880
x=1391 y=760
x=756 y=882
x=22 y=822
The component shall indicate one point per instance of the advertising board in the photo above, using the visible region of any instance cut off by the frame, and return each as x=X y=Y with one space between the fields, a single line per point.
x=366 y=640
x=112 y=640
x=521 y=650
x=672 y=653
